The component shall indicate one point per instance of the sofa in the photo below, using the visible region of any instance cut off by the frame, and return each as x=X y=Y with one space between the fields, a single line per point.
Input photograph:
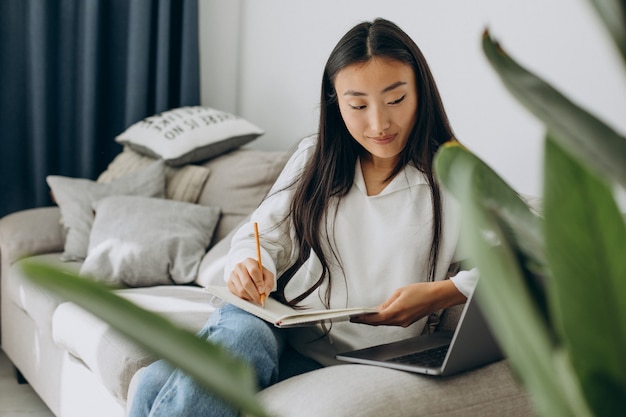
x=80 y=367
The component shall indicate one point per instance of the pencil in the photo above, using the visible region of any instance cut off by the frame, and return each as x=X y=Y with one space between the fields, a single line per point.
x=258 y=256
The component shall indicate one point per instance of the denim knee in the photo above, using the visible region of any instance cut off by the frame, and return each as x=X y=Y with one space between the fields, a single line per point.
x=246 y=336
x=152 y=380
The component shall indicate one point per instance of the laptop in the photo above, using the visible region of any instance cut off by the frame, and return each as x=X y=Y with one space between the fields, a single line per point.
x=471 y=345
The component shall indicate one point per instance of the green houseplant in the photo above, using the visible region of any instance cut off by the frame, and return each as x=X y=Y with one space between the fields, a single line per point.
x=554 y=285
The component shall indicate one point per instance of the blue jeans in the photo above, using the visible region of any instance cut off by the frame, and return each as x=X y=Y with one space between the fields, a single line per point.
x=164 y=391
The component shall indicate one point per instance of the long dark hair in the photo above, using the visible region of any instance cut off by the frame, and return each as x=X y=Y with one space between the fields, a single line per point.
x=330 y=172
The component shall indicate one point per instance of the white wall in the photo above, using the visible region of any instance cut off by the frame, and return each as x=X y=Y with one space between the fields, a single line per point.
x=263 y=60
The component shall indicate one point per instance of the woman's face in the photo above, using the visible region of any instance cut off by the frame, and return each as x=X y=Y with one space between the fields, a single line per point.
x=378 y=103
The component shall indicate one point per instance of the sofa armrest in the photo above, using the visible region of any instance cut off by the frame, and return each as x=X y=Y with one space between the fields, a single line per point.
x=30 y=232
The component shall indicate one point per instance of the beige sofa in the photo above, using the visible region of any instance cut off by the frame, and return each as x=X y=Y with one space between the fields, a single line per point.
x=80 y=367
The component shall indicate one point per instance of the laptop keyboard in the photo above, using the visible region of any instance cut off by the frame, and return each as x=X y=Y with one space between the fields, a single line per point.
x=429 y=358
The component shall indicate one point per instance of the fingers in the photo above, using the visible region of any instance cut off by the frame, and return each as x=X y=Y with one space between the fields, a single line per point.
x=247 y=281
x=373 y=319
x=395 y=311
x=385 y=317
x=376 y=319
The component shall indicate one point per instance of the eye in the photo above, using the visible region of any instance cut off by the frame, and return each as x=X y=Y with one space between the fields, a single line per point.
x=357 y=107
x=398 y=101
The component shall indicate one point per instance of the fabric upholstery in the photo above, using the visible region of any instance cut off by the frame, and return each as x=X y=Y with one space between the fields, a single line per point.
x=31 y=232
x=369 y=391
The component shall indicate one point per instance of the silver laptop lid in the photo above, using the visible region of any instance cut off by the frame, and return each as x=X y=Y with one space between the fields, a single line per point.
x=471 y=345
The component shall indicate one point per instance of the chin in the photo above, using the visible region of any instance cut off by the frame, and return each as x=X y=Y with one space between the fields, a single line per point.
x=390 y=151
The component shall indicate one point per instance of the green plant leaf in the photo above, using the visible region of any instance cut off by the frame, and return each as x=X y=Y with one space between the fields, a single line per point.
x=580 y=133
x=521 y=226
x=586 y=242
x=613 y=14
x=209 y=364
x=508 y=301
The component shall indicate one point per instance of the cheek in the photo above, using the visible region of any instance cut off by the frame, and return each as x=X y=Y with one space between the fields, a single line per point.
x=408 y=119
x=352 y=121
x=411 y=115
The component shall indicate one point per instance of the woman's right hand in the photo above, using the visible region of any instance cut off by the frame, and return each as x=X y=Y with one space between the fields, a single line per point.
x=247 y=281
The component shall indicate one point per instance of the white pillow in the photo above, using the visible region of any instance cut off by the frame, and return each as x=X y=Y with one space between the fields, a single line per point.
x=188 y=134
x=142 y=241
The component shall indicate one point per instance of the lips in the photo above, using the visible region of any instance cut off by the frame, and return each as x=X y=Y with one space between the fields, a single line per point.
x=383 y=140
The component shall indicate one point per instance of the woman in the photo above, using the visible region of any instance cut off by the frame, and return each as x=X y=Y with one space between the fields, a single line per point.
x=355 y=219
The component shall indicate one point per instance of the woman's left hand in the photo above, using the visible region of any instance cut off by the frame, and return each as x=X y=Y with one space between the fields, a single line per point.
x=413 y=302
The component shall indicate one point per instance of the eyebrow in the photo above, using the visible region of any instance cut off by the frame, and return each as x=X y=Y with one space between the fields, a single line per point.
x=385 y=90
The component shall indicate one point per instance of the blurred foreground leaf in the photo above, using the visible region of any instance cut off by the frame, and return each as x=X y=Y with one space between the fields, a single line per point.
x=586 y=244
x=509 y=299
x=612 y=13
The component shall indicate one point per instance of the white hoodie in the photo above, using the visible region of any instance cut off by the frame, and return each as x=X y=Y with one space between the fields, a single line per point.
x=383 y=243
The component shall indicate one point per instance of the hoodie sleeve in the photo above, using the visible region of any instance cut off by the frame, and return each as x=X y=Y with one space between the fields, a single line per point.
x=275 y=230
x=465 y=281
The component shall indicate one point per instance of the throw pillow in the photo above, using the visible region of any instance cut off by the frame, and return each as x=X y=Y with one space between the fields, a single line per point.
x=181 y=183
x=188 y=134
x=75 y=197
x=140 y=241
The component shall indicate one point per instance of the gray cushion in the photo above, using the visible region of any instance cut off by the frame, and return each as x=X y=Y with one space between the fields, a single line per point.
x=75 y=197
x=188 y=134
x=141 y=241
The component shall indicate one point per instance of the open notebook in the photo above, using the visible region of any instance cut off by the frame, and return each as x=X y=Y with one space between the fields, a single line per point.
x=281 y=315
x=471 y=345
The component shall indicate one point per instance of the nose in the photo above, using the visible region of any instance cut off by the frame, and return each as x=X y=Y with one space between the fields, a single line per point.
x=379 y=120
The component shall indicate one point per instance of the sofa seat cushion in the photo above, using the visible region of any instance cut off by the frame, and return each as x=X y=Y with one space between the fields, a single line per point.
x=369 y=391
x=110 y=355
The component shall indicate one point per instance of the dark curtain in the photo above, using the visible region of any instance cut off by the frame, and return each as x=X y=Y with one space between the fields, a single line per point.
x=76 y=73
